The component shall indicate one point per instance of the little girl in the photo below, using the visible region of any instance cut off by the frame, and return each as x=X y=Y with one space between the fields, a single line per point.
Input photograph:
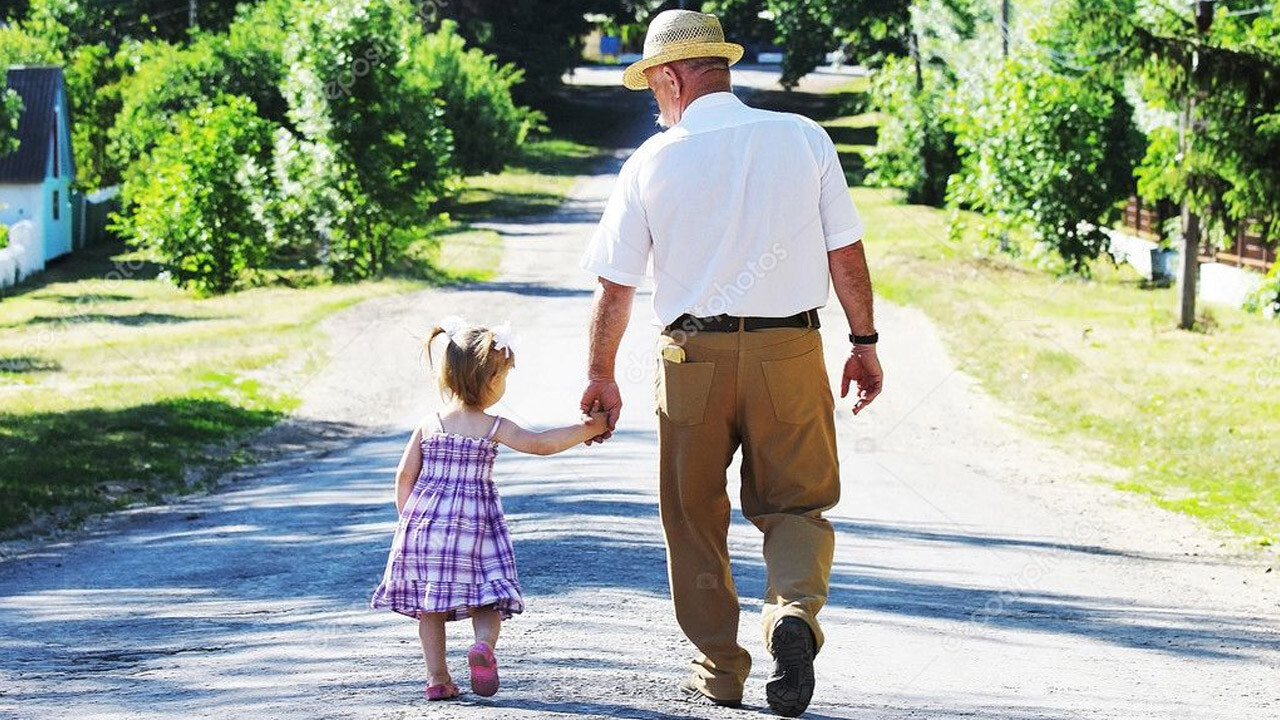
x=451 y=557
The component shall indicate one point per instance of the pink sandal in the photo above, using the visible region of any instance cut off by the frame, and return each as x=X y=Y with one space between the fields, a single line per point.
x=443 y=691
x=484 y=669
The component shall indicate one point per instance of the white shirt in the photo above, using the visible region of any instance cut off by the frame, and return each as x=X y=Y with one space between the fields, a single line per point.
x=738 y=208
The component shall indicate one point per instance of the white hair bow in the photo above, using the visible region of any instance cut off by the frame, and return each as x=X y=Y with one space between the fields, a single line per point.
x=453 y=325
x=504 y=338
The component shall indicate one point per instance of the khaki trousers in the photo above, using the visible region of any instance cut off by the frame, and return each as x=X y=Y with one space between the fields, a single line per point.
x=766 y=392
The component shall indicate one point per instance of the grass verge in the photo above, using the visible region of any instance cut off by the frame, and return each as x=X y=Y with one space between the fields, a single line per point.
x=114 y=384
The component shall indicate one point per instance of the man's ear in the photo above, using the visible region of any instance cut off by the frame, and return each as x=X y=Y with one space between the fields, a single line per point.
x=671 y=76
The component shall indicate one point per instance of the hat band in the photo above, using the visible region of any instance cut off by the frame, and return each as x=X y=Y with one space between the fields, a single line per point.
x=681 y=45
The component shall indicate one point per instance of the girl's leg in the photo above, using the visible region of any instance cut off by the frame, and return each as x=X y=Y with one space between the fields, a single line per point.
x=431 y=633
x=484 y=667
x=486 y=621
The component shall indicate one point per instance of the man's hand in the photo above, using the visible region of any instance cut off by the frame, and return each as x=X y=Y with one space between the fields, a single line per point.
x=863 y=369
x=603 y=395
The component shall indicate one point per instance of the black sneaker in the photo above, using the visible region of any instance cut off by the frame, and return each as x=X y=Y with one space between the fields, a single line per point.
x=790 y=687
x=694 y=695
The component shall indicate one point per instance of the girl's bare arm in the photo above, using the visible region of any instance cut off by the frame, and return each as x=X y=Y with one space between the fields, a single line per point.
x=409 y=468
x=550 y=442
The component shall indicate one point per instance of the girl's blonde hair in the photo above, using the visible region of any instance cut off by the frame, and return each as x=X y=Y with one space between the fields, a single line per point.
x=470 y=362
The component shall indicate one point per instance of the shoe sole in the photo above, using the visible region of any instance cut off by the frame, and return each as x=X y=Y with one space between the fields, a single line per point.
x=790 y=688
x=484 y=671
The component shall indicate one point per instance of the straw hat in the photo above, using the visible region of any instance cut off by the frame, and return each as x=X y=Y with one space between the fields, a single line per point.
x=680 y=35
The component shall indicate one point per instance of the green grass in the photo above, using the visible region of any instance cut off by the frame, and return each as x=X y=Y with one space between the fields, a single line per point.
x=1192 y=418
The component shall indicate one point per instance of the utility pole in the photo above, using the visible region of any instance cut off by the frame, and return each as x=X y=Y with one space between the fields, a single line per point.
x=193 y=12
x=1190 y=220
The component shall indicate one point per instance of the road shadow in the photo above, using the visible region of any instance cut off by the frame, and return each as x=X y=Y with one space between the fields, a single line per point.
x=135 y=320
x=530 y=289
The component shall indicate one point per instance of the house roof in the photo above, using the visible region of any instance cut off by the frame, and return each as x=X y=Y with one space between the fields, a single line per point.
x=38 y=88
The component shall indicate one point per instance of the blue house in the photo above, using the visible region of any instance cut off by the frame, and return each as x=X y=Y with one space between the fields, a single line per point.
x=36 y=179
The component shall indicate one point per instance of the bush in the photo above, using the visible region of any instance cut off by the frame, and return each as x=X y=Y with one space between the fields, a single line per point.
x=915 y=151
x=487 y=126
x=1051 y=151
x=372 y=150
x=4 y=236
x=193 y=198
x=169 y=81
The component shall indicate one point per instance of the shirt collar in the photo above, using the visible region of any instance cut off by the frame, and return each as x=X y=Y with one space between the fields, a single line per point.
x=706 y=105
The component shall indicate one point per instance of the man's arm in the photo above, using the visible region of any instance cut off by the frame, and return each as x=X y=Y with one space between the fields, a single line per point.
x=609 y=318
x=852 y=280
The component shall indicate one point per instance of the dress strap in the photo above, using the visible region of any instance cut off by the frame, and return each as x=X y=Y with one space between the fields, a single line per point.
x=493 y=430
x=439 y=421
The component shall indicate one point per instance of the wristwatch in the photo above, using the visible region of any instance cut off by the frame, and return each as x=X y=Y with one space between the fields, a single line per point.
x=864 y=339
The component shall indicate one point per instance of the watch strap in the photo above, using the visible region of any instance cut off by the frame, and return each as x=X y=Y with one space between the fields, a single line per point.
x=864 y=339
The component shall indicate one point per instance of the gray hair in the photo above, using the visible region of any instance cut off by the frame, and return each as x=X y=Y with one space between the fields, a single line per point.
x=702 y=64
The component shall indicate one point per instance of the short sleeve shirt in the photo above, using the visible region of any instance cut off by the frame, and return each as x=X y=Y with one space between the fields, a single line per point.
x=732 y=211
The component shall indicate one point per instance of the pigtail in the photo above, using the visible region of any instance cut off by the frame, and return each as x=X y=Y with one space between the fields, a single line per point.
x=426 y=345
x=443 y=380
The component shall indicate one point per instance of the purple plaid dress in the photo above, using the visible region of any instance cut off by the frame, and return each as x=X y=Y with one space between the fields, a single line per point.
x=452 y=549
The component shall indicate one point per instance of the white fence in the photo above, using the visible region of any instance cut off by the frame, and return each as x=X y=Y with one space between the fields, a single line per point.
x=23 y=257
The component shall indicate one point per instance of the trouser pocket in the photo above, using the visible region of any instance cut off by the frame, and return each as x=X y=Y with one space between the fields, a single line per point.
x=683 y=389
x=798 y=387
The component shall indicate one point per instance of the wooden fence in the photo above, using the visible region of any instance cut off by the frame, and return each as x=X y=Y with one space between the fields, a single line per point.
x=1248 y=248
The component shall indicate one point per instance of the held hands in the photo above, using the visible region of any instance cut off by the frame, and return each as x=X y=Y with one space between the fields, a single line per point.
x=602 y=398
x=863 y=369
x=596 y=419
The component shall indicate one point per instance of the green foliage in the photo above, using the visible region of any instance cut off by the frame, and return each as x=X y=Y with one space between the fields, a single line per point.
x=168 y=81
x=4 y=236
x=1052 y=151
x=1266 y=299
x=866 y=30
x=915 y=150
x=193 y=198
x=10 y=111
x=113 y=22
x=487 y=126
x=92 y=75
x=1229 y=176
x=366 y=128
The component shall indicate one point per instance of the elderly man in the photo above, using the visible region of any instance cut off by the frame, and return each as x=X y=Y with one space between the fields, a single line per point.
x=747 y=219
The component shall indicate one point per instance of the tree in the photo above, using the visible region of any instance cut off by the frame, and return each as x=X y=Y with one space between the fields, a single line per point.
x=915 y=150
x=193 y=203
x=486 y=125
x=166 y=80
x=91 y=73
x=113 y=22
x=541 y=37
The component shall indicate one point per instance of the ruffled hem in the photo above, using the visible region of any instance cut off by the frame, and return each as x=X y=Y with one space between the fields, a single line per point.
x=414 y=597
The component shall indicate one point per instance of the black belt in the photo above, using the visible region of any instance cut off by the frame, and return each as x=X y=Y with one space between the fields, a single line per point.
x=730 y=323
